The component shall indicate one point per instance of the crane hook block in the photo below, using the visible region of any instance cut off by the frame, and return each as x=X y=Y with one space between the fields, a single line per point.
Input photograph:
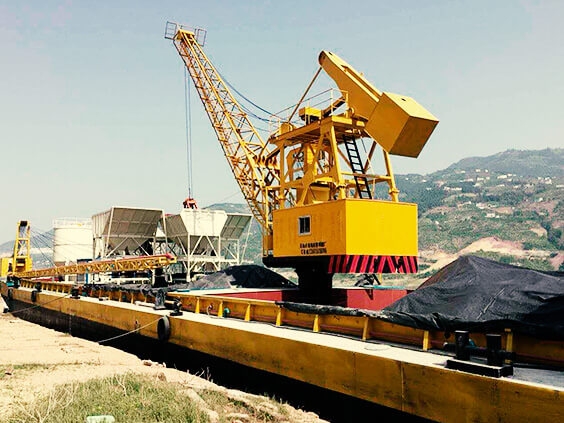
x=397 y=122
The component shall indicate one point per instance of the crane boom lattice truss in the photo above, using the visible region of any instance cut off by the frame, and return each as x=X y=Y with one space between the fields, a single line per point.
x=116 y=265
x=241 y=143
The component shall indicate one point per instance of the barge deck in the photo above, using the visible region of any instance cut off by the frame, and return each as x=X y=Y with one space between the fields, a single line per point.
x=353 y=355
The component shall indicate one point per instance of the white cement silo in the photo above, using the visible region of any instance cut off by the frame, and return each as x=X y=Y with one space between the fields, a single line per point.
x=72 y=240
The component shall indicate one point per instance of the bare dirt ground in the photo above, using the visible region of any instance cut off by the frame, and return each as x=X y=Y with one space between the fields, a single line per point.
x=493 y=244
x=34 y=359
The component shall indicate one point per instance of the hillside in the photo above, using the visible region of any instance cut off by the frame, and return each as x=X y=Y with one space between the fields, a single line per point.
x=508 y=206
x=515 y=198
x=542 y=163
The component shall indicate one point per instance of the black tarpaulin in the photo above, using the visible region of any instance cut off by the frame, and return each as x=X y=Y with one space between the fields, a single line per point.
x=242 y=276
x=477 y=294
x=323 y=309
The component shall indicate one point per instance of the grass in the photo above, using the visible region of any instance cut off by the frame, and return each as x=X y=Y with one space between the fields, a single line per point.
x=129 y=398
x=22 y=367
x=135 y=398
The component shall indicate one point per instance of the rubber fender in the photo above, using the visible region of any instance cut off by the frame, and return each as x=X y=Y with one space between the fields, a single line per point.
x=10 y=294
x=163 y=329
x=33 y=296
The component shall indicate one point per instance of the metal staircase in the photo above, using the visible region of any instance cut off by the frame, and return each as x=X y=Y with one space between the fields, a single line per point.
x=362 y=187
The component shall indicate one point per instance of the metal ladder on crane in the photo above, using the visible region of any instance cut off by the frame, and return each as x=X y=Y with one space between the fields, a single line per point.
x=353 y=154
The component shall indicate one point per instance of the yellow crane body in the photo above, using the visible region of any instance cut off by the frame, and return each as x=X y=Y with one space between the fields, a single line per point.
x=312 y=186
x=320 y=182
x=340 y=233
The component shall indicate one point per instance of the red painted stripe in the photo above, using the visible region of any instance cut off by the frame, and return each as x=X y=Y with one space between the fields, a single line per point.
x=392 y=267
x=400 y=264
x=372 y=259
x=344 y=264
x=363 y=264
x=331 y=264
x=405 y=264
x=412 y=264
x=413 y=261
x=372 y=264
x=337 y=264
x=354 y=262
x=380 y=264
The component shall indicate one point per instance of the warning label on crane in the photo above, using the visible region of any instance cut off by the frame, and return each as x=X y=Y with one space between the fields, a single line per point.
x=307 y=248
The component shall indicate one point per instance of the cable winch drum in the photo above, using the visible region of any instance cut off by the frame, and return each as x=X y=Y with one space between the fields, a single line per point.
x=163 y=329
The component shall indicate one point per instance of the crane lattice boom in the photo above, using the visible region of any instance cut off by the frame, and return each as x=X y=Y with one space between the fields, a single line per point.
x=241 y=143
x=128 y=264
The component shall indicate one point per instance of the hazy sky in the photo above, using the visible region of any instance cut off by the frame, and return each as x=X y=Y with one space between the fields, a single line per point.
x=92 y=98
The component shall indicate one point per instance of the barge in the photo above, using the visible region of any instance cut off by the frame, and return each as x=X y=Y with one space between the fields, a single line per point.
x=350 y=348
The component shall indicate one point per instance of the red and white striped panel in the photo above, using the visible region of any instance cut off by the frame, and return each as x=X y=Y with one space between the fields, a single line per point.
x=372 y=264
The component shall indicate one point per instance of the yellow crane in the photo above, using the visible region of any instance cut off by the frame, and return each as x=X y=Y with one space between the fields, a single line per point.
x=21 y=258
x=311 y=185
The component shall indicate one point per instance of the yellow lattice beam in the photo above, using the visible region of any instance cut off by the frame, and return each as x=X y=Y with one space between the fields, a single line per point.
x=116 y=265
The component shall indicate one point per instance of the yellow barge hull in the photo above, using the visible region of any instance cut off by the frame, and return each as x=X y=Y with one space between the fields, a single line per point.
x=412 y=381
